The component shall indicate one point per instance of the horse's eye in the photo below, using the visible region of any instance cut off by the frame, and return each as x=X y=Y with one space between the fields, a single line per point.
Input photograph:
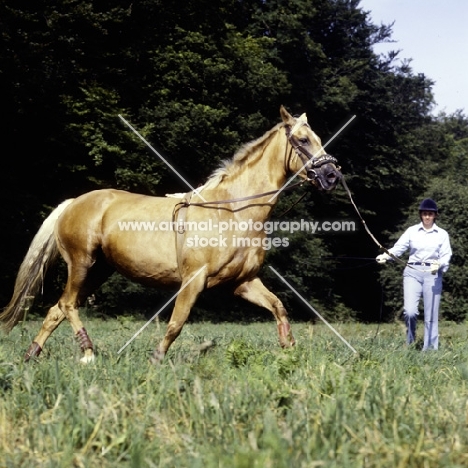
x=303 y=141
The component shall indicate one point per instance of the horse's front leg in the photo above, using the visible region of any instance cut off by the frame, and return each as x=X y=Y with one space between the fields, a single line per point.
x=255 y=291
x=189 y=292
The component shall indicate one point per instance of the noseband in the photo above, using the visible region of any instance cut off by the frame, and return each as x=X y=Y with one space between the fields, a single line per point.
x=311 y=162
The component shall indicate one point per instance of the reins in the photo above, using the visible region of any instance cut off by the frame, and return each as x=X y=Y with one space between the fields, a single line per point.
x=345 y=185
x=186 y=202
x=313 y=161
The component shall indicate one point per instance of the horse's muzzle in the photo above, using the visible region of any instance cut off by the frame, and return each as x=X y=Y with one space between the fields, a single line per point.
x=326 y=177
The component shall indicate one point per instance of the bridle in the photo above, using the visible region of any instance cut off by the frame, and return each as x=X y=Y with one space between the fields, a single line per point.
x=311 y=162
x=314 y=162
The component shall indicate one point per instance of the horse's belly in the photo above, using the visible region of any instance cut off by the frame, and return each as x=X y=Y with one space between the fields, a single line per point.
x=148 y=258
x=134 y=239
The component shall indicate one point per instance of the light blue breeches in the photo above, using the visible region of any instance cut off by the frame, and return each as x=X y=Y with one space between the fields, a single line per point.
x=416 y=283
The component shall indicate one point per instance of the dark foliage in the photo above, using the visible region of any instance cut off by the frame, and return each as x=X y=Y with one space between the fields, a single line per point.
x=198 y=79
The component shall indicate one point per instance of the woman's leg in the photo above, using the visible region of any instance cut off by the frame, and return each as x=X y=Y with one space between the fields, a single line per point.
x=412 y=290
x=432 y=290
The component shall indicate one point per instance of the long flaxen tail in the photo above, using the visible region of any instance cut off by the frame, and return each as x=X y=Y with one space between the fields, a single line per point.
x=41 y=253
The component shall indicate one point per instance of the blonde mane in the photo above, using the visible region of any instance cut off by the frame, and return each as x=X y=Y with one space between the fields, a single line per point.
x=231 y=166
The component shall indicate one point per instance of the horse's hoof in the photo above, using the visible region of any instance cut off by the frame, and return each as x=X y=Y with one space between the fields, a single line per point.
x=88 y=358
x=157 y=358
x=33 y=351
x=286 y=337
x=288 y=344
x=206 y=345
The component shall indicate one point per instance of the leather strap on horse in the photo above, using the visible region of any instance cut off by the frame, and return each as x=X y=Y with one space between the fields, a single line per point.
x=178 y=218
x=33 y=351
x=180 y=211
x=312 y=160
x=235 y=200
x=83 y=339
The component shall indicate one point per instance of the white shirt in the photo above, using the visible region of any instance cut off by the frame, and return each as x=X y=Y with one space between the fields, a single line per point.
x=425 y=245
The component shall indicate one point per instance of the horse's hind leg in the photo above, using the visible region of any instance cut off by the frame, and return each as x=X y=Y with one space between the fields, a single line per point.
x=67 y=307
x=81 y=281
x=83 y=278
x=72 y=297
x=254 y=291
x=53 y=319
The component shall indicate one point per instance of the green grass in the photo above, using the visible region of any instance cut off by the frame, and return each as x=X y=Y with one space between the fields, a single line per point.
x=243 y=403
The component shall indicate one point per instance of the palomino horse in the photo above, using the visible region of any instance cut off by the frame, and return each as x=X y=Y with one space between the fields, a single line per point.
x=107 y=230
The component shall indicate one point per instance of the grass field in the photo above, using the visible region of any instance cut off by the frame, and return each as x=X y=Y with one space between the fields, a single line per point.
x=242 y=403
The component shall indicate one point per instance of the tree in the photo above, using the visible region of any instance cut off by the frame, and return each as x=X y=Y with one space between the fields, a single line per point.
x=197 y=80
x=447 y=142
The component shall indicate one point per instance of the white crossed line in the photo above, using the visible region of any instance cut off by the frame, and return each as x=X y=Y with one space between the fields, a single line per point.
x=160 y=157
x=303 y=167
x=200 y=270
x=161 y=309
x=312 y=309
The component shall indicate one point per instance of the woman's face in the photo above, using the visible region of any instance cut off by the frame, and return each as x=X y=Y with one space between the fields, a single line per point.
x=428 y=218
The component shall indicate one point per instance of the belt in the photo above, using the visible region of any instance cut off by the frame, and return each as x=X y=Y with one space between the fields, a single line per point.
x=420 y=263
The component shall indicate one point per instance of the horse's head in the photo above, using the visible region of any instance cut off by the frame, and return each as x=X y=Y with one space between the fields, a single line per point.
x=311 y=162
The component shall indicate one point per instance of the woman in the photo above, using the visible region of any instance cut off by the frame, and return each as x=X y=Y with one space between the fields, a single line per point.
x=429 y=257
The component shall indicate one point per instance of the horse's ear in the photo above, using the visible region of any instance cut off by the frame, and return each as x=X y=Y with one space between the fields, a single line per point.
x=286 y=116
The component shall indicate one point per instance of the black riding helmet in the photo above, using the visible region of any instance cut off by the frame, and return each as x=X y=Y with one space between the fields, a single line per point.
x=428 y=204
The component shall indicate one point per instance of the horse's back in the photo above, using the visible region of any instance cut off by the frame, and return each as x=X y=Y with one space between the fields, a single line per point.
x=126 y=227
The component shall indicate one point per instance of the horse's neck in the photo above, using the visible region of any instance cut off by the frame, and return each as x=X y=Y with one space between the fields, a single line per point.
x=261 y=172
